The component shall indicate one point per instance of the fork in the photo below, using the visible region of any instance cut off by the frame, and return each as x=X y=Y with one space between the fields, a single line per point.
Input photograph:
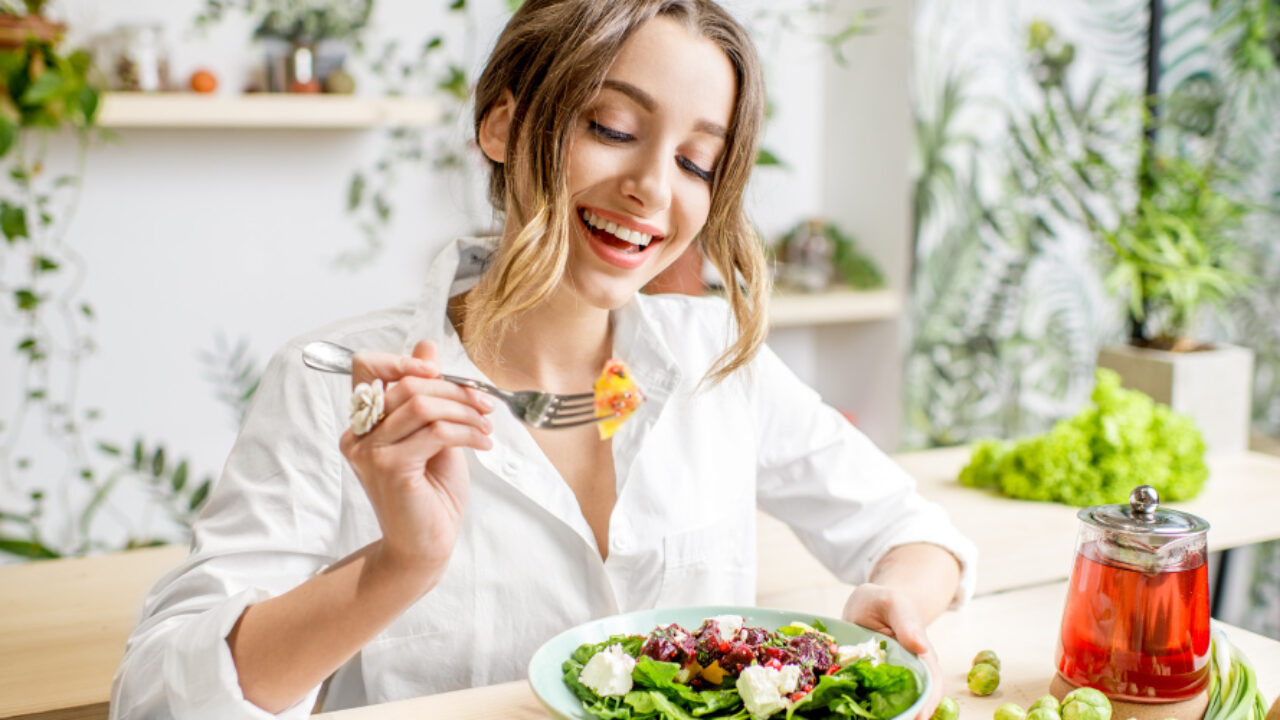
x=537 y=409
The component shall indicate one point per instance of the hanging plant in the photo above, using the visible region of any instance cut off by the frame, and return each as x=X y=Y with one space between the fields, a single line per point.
x=44 y=91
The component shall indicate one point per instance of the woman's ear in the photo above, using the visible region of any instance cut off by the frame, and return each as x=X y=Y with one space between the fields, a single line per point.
x=495 y=128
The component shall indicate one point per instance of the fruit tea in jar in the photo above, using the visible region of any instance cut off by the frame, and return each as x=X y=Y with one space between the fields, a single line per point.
x=1136 y=621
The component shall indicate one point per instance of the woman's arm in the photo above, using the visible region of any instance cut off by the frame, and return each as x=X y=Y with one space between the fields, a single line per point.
x=411 y=467
x=285 y=646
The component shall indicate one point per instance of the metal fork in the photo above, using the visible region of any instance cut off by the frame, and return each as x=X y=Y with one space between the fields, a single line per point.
x=538 y=409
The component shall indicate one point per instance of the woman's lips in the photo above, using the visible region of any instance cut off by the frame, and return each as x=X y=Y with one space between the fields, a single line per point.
x=616 y=252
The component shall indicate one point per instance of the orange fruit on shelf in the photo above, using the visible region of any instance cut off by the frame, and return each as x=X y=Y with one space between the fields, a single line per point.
x=204 y=81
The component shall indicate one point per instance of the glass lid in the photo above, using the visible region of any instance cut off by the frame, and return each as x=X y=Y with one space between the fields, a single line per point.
x=1143 y=516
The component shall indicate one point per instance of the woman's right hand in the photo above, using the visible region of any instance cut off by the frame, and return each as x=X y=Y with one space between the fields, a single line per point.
x=411 y=463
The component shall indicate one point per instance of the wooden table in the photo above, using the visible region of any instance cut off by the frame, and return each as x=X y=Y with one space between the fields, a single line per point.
x=63 y=623
x=63 y=628
x=1021 y=626
x=1020 y=543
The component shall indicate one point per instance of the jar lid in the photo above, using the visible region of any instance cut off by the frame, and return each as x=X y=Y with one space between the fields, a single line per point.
x=1143 y=516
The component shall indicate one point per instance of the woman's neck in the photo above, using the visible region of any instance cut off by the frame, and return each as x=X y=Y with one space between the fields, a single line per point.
x=557 y=346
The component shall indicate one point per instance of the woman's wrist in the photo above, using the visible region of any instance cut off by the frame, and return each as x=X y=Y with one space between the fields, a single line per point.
x=409 y=572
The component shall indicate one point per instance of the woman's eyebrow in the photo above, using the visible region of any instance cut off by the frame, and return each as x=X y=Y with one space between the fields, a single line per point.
x=646 y=101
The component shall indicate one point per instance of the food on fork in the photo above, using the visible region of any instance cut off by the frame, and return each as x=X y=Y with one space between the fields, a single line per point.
x=617 y=397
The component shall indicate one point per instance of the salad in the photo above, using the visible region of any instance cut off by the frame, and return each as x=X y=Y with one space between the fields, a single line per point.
x=726 y=670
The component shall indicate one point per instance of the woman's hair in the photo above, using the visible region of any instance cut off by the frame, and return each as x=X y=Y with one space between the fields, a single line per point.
x=553 y=56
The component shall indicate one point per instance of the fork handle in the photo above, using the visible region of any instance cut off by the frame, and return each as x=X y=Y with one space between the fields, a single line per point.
x=332 y=357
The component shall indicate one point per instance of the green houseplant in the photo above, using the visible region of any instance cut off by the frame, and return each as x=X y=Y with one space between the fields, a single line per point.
x=48 y=457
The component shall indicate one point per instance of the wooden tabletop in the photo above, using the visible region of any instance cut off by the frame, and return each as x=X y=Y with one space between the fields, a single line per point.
x=1021 y=543
x=1021 y=626
x=64 y=622
x=63 y=628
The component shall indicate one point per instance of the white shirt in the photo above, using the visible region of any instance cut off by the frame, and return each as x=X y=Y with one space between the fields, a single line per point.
x=691 y=469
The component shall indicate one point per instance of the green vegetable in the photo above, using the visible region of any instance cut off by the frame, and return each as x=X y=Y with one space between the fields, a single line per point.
x=987 y=656
x=1086 y=704
x=947 y=710
x=1233 y=686
x=1010 y=711
x=1047 y=702
x=983 y=679
x=1122 y=438
x=861 y=690
x=1043 y=713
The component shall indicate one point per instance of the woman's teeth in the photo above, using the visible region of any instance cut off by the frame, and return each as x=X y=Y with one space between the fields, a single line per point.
x=635 y=237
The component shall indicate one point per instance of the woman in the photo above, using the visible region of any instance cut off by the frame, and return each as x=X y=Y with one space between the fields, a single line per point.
x=439 y=548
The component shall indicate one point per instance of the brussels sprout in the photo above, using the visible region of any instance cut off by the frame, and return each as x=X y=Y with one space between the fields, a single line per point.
x=1048 y=702
x=984 y=678
x=1010 y=711
x=947 y=710
x=1086 y=704
x=1043 y=713
x=987 y=656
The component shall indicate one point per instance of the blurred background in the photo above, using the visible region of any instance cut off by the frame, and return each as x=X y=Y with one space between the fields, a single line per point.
x=966 y=203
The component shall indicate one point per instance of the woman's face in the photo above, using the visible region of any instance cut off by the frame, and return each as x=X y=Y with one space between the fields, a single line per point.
x=641 y=160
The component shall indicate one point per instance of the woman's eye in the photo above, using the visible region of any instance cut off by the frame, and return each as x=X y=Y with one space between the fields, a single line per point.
x=689 y=166
x=609 y=133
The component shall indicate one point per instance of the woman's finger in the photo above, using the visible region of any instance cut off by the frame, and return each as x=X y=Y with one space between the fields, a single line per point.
x=411 y=387
x=367 y=366
x=420 y=411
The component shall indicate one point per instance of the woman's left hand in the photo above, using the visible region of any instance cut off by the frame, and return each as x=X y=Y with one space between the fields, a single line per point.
x=893 y=613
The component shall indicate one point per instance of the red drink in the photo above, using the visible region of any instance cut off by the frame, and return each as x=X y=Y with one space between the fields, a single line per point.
x=1136 y=635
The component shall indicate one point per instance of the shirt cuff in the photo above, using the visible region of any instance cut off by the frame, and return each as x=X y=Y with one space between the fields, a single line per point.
x=200 y=675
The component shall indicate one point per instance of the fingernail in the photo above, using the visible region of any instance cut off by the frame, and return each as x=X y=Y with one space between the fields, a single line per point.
x=485 y=402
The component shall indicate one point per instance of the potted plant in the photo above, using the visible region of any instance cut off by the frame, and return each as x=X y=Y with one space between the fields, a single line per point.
x=1174 y=255
x=23 y=22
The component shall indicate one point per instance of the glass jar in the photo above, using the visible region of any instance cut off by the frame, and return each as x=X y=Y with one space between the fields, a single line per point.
x=142 y=62
x=1136 y=621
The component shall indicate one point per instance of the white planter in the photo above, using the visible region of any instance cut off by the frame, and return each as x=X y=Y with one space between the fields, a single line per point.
x=1214 y=387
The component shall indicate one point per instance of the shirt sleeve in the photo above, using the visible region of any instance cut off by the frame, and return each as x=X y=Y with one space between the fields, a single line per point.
x=847 y=501
x=269 y=524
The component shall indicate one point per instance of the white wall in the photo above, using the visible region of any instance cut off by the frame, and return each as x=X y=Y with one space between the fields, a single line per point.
x=189 y=234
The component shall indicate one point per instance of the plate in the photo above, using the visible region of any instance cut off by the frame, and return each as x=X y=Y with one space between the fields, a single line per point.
x=547 y=678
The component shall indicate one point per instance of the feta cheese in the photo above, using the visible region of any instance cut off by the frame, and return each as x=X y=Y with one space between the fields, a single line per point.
x=849 y=654
x=727 y=626
x=608 y=672
x=764 y=689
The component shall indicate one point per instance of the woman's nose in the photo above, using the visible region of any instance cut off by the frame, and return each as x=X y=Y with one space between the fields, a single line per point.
x=648 y=180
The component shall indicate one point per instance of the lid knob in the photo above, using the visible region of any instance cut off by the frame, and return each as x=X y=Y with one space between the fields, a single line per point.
x=1144 y=500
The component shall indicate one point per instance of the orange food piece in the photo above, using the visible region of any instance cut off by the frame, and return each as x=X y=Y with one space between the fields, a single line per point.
x=617 y=397
x=203 y=81
x=713 y=673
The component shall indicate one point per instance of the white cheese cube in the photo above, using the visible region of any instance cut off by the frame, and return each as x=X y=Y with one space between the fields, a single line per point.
x=764 y=689
x=849 y=654
x=608 y=672
x=727 y=626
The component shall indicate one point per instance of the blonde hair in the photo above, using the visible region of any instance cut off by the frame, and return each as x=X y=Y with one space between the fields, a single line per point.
x=553 y=56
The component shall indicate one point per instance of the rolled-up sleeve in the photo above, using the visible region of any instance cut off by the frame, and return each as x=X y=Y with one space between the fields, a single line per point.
x=269 y=525
x=846 y=500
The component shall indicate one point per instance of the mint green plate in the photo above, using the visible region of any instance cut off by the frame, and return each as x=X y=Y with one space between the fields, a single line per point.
x=547 y=678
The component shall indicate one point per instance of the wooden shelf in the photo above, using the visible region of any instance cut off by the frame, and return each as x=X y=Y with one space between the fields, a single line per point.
x=792 y=309
x=262 y=111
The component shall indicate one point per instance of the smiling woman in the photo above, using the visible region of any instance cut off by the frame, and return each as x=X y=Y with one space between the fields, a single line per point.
x=440 y=546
